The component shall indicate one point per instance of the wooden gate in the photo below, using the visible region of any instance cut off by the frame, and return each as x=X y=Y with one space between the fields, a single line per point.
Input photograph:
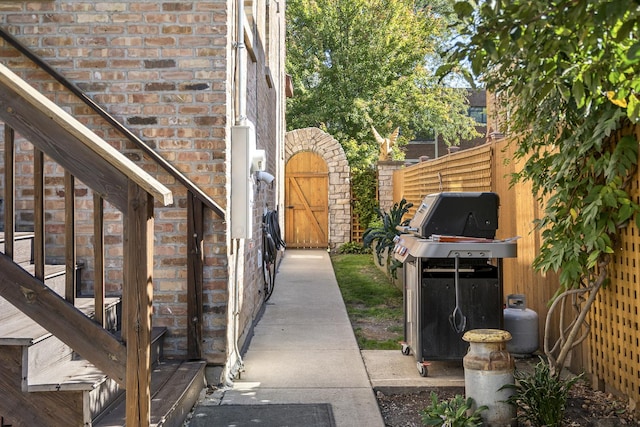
x=306 y=201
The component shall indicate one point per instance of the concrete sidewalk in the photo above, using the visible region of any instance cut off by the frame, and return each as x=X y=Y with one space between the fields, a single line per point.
x=304 y=351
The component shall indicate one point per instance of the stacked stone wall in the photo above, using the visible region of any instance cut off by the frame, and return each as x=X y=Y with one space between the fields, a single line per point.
x=385 y=183
x=323 y=144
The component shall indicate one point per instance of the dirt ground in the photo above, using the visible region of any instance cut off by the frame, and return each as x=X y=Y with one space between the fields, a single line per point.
x=585 y=407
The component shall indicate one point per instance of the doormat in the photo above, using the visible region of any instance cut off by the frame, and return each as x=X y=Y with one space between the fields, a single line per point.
x=271 y=415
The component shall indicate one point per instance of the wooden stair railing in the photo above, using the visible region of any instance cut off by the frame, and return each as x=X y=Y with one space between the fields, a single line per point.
x=197 y=201
x=196 y=192
x=113 y=178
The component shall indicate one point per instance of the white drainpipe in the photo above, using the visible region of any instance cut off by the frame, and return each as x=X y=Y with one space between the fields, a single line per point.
x=235 y=365
x=241 y=77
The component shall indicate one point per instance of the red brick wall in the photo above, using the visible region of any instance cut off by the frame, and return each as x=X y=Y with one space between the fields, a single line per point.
x=165 y=71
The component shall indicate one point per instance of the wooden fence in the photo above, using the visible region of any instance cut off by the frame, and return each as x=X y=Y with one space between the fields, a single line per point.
x=612 y=353
x=615 y=337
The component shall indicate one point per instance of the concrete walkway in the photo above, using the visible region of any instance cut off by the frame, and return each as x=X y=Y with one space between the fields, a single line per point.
x=304 y=350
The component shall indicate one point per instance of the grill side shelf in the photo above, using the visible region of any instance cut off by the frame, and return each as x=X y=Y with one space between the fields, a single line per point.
x=414 y=247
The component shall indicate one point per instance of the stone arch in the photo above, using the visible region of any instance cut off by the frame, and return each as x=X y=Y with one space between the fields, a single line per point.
x=323 y=144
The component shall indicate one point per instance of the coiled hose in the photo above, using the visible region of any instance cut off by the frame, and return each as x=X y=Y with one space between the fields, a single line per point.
x=271 y=243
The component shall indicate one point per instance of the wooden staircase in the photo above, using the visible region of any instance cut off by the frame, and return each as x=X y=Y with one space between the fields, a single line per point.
x=45 y=383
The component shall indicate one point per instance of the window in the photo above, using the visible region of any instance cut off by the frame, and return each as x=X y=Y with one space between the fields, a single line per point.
x=425 y=136
x=479 y=114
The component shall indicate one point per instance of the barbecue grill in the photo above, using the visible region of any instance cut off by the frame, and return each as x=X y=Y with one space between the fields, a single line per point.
x=452 y=274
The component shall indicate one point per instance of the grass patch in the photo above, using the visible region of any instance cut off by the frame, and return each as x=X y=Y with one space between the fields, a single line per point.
x=374 y=305
x=370 y=344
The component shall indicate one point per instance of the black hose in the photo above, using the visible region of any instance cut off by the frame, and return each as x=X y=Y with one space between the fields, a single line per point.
x=273 y=228
x=271 y=243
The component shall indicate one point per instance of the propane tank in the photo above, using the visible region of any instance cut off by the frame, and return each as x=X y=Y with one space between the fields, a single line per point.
x=522 y=323
x=488 y=367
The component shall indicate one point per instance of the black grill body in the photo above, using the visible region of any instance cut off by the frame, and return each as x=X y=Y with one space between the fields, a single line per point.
x=452 y=271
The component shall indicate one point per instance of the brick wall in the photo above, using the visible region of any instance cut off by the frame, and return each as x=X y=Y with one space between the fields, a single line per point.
x=165 y=71
x=265 y=109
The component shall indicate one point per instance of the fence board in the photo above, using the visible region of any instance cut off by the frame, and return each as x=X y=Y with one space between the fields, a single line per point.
x=463 y=171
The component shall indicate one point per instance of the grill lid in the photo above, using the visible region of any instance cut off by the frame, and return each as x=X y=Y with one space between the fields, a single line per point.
x=471 y=214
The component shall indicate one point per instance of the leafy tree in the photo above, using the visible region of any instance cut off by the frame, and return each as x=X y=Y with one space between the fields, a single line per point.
x=357 y=63
x=570 y=71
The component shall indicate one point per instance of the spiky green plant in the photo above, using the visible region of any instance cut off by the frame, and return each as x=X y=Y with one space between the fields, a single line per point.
x=384 y=232
x=541 y=396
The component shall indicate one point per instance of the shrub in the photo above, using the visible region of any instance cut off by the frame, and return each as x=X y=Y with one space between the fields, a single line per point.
x=353 y=248
x=363 y=187
x=540 y=396
x=455 y=412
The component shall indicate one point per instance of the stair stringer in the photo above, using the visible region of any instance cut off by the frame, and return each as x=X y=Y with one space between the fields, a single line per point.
x=62 y=319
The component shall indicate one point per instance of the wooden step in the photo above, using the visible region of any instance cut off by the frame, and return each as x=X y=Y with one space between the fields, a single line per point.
x=48 y=350
x=175 y=388
x=44 y=382
x=74 y=373
x=23 y=255
x=18 y=329
x=19 y=408
x=49 y=365
x=73 y=386
x=54 y=278
x=22 y=247
x=54 y=275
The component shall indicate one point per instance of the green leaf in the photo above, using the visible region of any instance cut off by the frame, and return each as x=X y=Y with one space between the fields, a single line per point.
x=464 y=9
x=623 y=32
x=633 y=108
x=633 y=53
x=490 y=47
x=578 y=93
x=625 y=212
